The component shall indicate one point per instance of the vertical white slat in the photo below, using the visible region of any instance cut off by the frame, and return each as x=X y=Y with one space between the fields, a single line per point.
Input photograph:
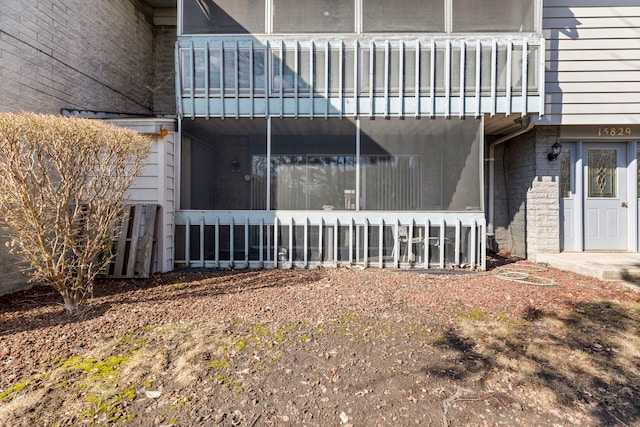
x=387 y=65
x=351 y=241
x=312 y=84
x=236 y=79
x=267 y=85
x=541 y=72
x=335 y=243
x=306 y=242
x=246 y=240
x=525 y=77
x=458 y=236
x=494 y=76
x=217 y=242
x=463 y=66
x=447 y=79
x=371 y=76
x=380 y=243
x=365 y=244
x=341 y=78
x=201 y=229
x=357 y=243
x=179 y=65
x=251 y=88
x=443 y=229
x=281 y=72
x=291 y=225
x=192 y=79
x=231 y=245
x=427 y=239
x=358 y=164
x=473 y=244
x=356 y=79
x=187 y=241
x=206 y=80
x=396 y=243
x=401 y=78
x=483 y=244
x=261 y=244
x=509 y=78
x=478 y=80
x=276 y=220
x=268 y=207
x=410 y=242
x=432 y=82
x=320 y=241
x=296 y=62
x=417 y=80
x=327 y=69
x=222 y=109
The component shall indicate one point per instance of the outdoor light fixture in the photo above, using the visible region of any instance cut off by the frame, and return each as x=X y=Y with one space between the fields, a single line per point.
x=235 y=166
x=555 y=151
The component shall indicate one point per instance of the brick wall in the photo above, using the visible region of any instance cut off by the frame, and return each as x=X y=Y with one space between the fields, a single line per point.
x=164 y=89
x=527 y=215
x=514 y=172
x=93 y=55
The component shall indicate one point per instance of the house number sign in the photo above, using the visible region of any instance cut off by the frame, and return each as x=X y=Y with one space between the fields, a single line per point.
x=585 y=133
x=615 y=131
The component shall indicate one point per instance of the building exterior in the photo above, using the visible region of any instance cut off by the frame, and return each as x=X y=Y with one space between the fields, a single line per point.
x=361 y=132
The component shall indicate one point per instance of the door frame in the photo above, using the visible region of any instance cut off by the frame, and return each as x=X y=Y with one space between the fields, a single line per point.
x=574 y=239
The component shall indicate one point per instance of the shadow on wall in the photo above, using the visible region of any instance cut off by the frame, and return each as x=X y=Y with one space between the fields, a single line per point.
x=564 y=27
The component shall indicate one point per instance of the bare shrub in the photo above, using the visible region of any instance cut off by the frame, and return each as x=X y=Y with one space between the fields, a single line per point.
x=62 y=191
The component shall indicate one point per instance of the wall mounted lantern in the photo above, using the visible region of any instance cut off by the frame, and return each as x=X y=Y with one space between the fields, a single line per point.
x=235 y=166
x=555 y=151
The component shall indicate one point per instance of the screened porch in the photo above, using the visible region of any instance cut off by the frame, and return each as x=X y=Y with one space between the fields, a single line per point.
x=299 y=192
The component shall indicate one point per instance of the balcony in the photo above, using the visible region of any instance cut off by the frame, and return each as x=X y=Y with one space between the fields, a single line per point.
x=260 y=76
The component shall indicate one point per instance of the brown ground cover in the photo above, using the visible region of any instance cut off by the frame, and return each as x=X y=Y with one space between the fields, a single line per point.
x=326 y=347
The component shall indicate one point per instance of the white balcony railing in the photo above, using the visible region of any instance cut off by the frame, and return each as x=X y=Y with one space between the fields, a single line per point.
x=285 y=239
x=424 y=77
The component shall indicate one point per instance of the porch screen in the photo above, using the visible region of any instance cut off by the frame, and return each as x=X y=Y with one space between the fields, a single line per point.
x=313 y=164
x=493 y=15
x=222 y=17
x=403 y=16
x=410 y=165
x=313 y=16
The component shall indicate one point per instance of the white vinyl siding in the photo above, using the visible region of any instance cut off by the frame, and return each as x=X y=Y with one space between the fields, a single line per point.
x=592 y=61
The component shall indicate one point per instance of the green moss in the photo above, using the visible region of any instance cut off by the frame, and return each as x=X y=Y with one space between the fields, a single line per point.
x=241 y=344
x=14 y=389
x=220 y=364
x=97 y=369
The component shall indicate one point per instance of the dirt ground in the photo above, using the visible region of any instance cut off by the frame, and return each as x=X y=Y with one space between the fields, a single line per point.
x=327 y=347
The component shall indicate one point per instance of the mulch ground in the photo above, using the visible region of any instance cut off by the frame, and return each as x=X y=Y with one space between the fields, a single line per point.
x=36 y=333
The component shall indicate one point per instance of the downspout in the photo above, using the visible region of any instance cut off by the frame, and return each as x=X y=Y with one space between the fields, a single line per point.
x=491 y=159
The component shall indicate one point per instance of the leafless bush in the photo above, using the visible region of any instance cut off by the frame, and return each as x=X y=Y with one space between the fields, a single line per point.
x=62 y=191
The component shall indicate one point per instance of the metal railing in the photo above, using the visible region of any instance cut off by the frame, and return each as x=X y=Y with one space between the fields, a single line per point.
x=425 y=77
x=286 y=239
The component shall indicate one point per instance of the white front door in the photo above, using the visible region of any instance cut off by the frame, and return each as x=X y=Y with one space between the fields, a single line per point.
x=605 y=191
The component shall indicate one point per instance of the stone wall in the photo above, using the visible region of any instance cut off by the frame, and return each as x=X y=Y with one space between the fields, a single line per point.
x=543 y=199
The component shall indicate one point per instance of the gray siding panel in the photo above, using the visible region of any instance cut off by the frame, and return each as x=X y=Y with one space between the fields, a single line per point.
x=592 y=61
